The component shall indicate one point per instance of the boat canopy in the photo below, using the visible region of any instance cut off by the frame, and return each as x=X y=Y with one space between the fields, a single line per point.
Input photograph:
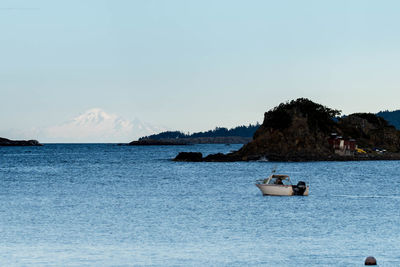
x=273 y=179
x=281 y=176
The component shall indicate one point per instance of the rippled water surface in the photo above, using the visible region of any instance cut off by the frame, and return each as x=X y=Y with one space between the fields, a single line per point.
x=108 y=205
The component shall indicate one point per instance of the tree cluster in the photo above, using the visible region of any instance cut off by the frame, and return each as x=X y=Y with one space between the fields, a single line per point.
x=318 y=116
x=240 y=131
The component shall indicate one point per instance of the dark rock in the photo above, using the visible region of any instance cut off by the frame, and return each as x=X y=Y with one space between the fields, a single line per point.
x=220 y=157
x=7 y=142
x=189 y=156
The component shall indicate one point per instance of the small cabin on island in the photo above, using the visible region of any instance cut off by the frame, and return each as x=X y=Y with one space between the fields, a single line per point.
x=342 y=146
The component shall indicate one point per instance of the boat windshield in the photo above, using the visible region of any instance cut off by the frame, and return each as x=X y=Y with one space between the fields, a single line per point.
x=279 y=181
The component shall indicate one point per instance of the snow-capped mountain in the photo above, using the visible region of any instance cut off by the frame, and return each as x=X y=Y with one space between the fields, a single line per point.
x=98 y=126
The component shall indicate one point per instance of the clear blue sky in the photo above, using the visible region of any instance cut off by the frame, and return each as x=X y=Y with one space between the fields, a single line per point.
x=194 y=65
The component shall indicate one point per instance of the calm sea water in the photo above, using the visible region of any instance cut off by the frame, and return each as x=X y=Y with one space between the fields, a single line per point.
x=108 y=205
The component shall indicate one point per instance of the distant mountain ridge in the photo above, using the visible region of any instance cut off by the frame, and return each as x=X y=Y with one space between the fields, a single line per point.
x=97 y=126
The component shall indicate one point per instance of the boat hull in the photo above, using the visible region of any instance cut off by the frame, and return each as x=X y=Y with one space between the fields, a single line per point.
x=278 y=190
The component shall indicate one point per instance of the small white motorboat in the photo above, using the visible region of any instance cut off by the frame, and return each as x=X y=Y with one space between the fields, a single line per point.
x=280 y=185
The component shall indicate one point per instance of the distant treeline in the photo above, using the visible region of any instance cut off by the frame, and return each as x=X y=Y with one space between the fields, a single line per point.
x=241 y=131
x=393 y=117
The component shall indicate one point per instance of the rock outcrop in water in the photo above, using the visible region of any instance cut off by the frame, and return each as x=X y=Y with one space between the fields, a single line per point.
x=189 y=156
x=7 y=142
x=302 y=130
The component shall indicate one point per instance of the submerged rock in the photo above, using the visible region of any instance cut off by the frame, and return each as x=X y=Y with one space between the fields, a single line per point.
x=220 y=157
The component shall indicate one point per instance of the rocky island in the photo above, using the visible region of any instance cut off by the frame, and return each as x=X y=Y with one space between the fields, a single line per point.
x=7 y=142
x=301 y=130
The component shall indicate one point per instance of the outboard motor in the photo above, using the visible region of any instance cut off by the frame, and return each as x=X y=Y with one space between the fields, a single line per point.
x=300 y=188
